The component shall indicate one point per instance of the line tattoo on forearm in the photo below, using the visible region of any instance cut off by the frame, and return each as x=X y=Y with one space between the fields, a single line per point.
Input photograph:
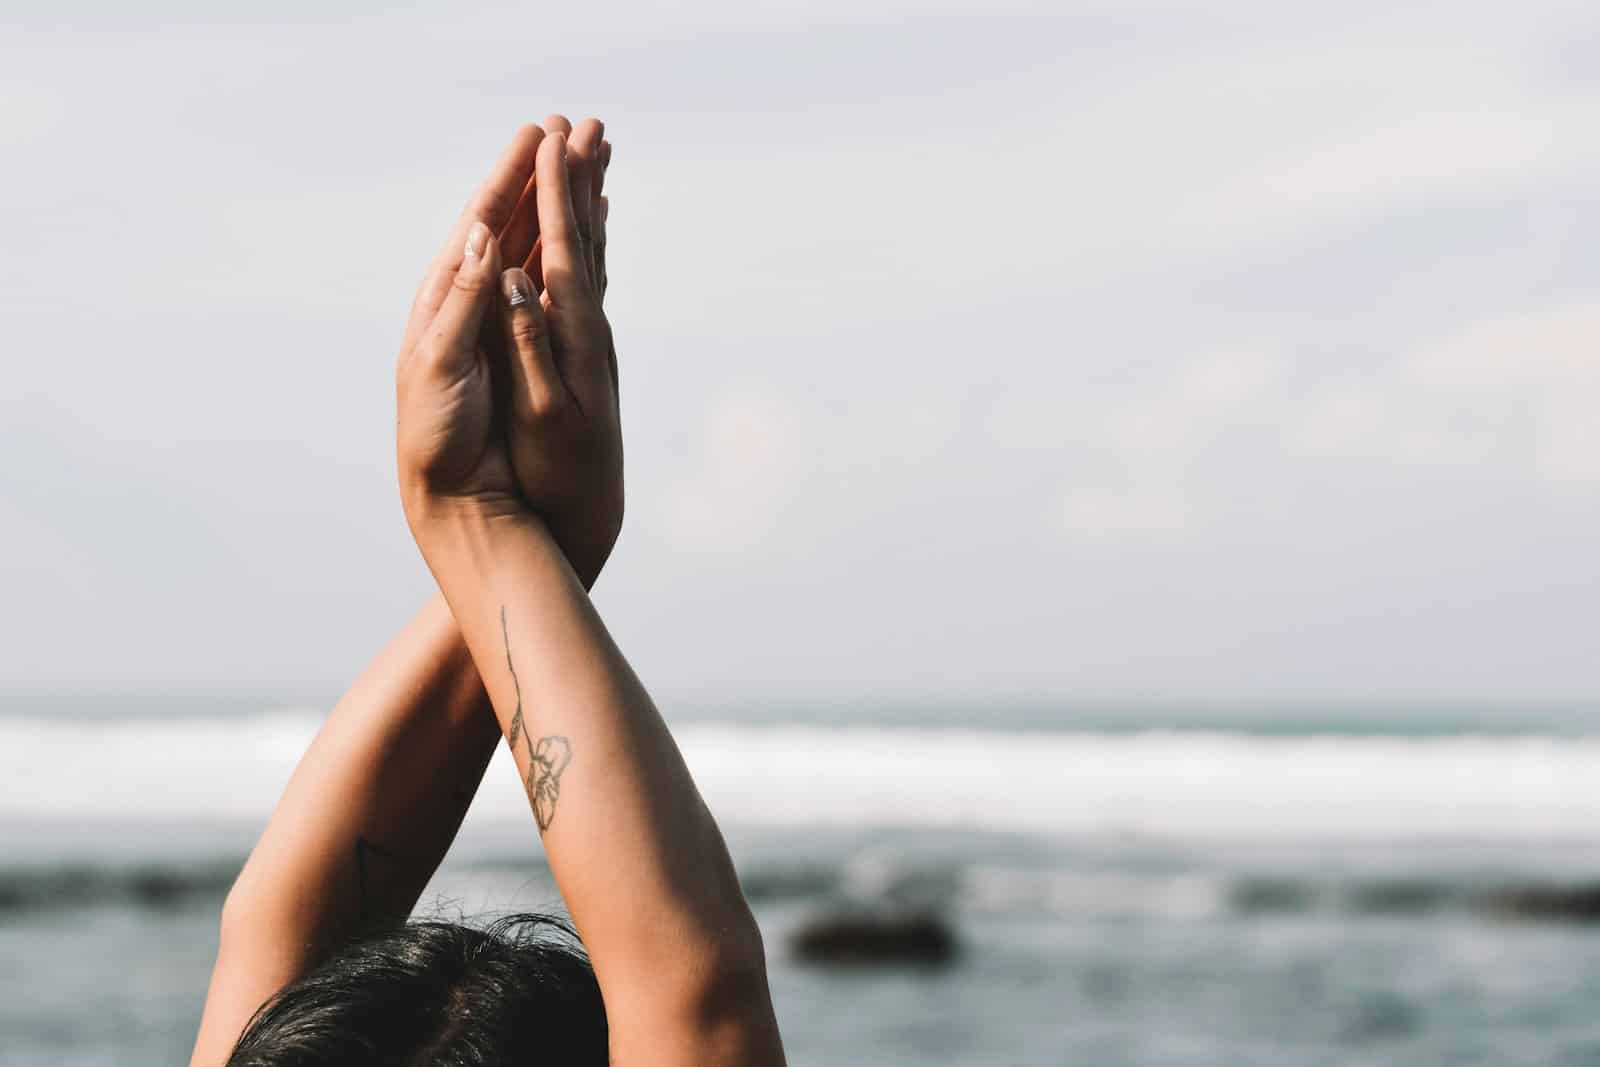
x=547 y=758
x=516 y=717
x=364 y=848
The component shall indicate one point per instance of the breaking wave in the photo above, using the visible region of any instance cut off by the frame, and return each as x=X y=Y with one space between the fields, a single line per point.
x=1164 y=783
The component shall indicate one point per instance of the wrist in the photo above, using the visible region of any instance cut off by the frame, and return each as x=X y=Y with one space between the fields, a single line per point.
x=442 y=524
x=453 y=527
x=439 y=523
x=426 y=508
x=478 y=554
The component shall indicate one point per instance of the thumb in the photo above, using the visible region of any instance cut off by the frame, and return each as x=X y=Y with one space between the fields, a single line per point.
x=535 y=382
x=455 y=328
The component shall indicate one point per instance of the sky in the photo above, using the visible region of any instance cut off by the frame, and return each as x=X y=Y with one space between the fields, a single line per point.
x=970 y=352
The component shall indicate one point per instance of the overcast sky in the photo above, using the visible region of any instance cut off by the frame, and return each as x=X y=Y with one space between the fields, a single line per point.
x=968 y=350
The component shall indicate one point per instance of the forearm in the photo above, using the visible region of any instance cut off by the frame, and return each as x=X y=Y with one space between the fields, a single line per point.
x=363 y=823
x=636 y=854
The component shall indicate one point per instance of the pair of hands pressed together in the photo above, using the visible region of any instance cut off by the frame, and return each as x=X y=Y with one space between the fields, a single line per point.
x=507 y=389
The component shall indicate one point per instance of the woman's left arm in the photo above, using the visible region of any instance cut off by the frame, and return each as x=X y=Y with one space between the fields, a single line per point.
x=365 y=820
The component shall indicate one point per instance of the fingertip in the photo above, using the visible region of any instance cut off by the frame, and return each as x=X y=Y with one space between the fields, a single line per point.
x=517 y=287
x=528 y=139
x=480 y=256
x=475 y=245
x=557 y=123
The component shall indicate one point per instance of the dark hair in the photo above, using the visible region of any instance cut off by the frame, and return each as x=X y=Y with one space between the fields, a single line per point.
x=439 y=994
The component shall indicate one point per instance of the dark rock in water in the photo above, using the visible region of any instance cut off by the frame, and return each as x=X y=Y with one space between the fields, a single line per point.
x=857 y=938
x=1574 y=903
x=154 y=887
x=158 y=888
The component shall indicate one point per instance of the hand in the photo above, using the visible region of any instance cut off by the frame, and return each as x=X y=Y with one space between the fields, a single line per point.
x=448 y=447
x=564 y=430
x=524 y=415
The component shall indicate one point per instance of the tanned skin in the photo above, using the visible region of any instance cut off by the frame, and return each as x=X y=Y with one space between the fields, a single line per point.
x=634 y=850
x=403 y=752
x=511 y=474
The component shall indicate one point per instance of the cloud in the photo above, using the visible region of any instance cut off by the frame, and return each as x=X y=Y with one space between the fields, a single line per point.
x=1514 y=394
x=1143 y=469
x=732 y=496
x=1553 y=348
x=1511 y=398
x=28 y=111
x=1128 y=516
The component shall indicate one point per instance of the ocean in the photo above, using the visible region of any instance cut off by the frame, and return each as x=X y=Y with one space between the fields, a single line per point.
x=1162 y=888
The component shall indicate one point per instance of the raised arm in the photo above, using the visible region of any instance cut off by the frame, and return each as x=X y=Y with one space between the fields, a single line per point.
x=367 y=816
x=635 y=851
x=377 y=798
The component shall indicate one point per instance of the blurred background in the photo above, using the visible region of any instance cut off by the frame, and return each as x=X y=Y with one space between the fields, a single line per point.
x=1121 y=480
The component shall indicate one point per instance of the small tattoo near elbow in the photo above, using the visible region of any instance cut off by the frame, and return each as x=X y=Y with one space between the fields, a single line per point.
x=546 y=760
x=364 y=848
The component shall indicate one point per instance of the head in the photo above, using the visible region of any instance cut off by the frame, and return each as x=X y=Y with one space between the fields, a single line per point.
x=439 y=994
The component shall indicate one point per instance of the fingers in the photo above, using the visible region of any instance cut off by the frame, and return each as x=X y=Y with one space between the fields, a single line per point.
x=583 y=164
x=520 y=233
x=453 y=335
x=598 y=207
x=516 y=240
x=533 y=266
x=602 y=212
x=493 y=204
x=602 y=208
x=496 y=199
x=566 y=278
x=534 y=379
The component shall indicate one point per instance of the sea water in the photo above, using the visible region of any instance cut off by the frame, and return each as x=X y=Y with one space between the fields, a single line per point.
x=1166 y=889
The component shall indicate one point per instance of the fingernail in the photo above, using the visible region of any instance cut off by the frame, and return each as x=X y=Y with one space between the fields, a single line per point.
x=475 y=241
x=514 y=283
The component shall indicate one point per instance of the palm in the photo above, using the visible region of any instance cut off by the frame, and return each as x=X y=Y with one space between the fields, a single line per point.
x=453 y=438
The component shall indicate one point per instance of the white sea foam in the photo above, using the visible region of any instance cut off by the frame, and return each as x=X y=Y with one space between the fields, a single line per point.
x=1183 y=784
